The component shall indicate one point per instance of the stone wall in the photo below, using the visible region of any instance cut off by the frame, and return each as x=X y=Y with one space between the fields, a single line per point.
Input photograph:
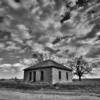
x=55 y=76
x=47 y=75
x=51 y=76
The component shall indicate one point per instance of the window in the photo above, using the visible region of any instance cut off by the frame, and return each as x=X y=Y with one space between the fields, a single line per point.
x=17 y=1
x=34 y=76
x=42 y=76
x=59 y=75
x=30 y=76
x=67 y=75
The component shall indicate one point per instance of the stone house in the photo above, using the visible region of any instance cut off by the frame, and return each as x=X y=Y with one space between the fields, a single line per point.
x=48 y=72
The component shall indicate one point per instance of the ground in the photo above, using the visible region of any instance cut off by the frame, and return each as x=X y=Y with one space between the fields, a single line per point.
x=84 y=90
x=18 y=95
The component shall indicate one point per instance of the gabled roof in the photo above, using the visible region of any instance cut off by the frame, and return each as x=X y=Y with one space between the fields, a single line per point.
x=48 y=64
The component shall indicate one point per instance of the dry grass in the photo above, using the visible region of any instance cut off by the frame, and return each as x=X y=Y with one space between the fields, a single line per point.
x=87 y=86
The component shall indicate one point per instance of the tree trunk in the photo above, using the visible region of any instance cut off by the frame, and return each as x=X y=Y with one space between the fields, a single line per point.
x=80 y=79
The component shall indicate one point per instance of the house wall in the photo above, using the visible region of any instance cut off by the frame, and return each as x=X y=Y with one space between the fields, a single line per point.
x=26 y=75
x=55 y=76
x=47 y=75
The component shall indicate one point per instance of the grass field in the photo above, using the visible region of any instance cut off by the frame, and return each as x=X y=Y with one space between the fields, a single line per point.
x=86 y=85
x=17 y=90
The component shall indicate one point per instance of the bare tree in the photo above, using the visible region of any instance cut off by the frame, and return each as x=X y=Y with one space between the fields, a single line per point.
x=81 y=3
x=38 y=56
x=80 y=67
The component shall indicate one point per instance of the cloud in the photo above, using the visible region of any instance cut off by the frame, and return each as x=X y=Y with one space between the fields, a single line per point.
x=94 y=52
x=38 y=47
x=5 y=65
x=19 y=65
x=34 y=24
x=96 y=74
x=48 y=25
x=26 y=62
x=13 y=4
x=2 y=45
x=24 y=31
x=11 y=70
x=28 y=4
x=12 y=46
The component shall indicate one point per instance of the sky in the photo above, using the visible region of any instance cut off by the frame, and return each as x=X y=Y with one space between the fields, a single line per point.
x=30 y=26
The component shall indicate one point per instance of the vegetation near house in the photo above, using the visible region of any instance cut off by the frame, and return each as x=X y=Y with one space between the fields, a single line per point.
x=80 y=67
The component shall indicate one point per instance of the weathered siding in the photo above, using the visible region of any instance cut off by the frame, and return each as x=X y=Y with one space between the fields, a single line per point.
x=55 y=76
x=47 y=75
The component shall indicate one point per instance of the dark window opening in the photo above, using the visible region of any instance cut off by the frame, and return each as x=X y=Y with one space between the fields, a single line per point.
x=59 y=75
x=42 y=76
x=18 y=1
x=1 y=19
x=67 y=75
x=34 y=76
x=30 y=76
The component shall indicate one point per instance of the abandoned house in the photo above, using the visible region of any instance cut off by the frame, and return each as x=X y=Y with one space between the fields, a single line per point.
x=48 y=72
